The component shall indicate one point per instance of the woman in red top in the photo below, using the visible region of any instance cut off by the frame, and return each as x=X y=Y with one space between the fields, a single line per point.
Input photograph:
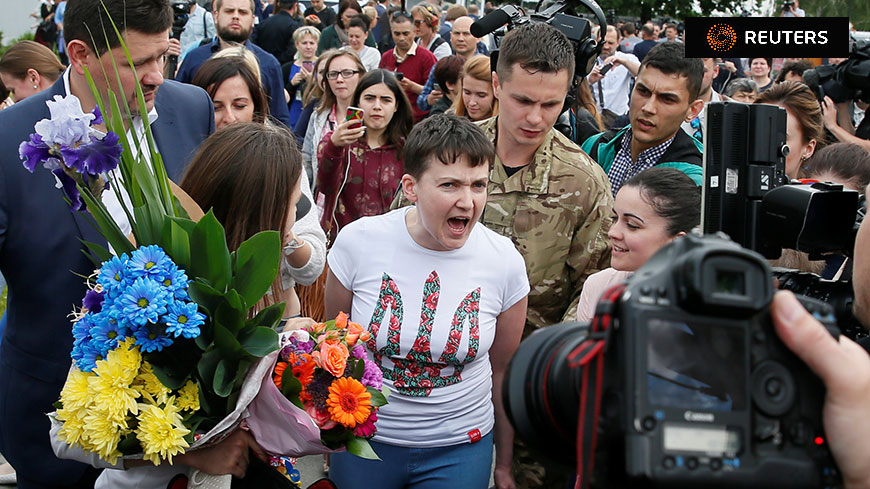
x=361 y=163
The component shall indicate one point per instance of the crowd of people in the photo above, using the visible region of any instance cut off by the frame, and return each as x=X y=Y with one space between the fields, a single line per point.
x=396 y=156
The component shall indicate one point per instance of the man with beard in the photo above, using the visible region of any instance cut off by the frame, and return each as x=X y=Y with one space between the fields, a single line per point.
x=235 y=21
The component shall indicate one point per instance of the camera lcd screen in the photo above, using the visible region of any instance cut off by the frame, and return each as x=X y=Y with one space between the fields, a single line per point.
x=730 y=282
x=696 y=366
x=712 y=441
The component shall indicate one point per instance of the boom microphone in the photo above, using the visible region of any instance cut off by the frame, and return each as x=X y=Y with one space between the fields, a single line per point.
x=493 y=20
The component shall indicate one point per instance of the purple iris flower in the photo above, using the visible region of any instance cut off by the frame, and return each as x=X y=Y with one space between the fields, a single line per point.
x=34 y=152
x=100 y=156
x=98 y=116
x=68 y=186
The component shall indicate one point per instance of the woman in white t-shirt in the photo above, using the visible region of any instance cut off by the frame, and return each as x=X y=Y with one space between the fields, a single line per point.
x=445 y=303
x=651 y=209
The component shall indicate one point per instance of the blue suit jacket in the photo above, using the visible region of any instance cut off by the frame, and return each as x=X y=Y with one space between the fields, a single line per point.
x=41 y=258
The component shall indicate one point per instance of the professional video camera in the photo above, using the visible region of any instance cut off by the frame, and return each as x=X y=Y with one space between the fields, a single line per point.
x=180 y=15
x=562 y=15
x=846 y=81
x=697 y=389
x=747 y=195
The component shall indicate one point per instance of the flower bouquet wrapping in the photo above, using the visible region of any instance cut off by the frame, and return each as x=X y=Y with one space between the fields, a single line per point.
x=171 y=329
x=323 y=382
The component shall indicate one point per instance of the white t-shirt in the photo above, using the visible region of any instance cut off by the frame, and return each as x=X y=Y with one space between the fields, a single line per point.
x=615 y=86
x=412 y=299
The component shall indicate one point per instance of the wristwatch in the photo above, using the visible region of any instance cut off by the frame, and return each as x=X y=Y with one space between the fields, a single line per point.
x=292 y=246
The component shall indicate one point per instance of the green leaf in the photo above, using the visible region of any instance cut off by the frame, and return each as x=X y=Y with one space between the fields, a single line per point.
x=359 y=368
x=361 y=448
x=378 y=398
x=129 y=445
x=168 y=375
x=209 y=256
x=226 y=342
x=176 y=242
x=268 y=317
x=231 y=312
x=207 y=365
x=256 y=265
x=223 y=376
x=98 y=251
x=260 y=342
x=108 y=228
x=291 y=387
x=205 y=295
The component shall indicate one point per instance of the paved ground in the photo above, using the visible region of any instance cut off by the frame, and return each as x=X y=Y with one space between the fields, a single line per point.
x=311 y=468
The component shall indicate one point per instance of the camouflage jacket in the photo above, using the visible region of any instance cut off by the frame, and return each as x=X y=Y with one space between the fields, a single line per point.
x=557 y=211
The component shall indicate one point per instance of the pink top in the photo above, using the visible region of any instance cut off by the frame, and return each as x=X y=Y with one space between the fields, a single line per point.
x=594 y=287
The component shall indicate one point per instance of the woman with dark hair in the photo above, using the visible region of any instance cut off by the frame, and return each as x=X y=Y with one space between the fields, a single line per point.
x=360 y=161
x=651 y=209
x=335 y=36
x=805 y=125
x=28 y=68
x=342 y=70
x=447 y=73
x=234 y=87
x=587 y=119
x=844 y=163
x=759 y=71
x=357 y=33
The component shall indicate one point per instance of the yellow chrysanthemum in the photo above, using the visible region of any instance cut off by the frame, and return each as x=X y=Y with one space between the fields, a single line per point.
x=103 y=432
x=161 y=432
x=188 y=396
x=75 y=390
x=110 y=393
x=73 y=424
x=150 y=386
x=128 y=354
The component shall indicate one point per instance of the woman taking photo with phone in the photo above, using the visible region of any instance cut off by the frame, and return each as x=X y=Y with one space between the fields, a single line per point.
x=342 y=70
x=306 y=38
x=360 y=162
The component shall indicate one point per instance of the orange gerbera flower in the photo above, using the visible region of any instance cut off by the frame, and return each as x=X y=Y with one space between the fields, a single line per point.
x=349 y=403
x=303 y=368
x=278 y=374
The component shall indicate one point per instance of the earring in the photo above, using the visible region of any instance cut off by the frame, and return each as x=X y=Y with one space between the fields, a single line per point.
x=35 y=87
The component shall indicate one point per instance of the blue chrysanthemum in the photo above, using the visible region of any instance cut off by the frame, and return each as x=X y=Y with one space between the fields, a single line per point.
x=151 y=338
x=144 y=301
x=108 y=331
x=91 y=353
x=82 y=328
x=176 y=283
x=151 y=262
x=113 y=275
x=183 y=319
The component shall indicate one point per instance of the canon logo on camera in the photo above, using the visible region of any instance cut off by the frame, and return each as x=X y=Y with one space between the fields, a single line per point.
x=699 y=417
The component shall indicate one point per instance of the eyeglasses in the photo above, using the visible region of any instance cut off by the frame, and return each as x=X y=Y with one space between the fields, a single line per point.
x=332 y=75
x=400 y=15
x=419 y=22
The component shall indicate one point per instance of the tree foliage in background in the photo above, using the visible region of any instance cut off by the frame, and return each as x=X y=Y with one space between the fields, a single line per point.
x=4 y=47
x=858 y=11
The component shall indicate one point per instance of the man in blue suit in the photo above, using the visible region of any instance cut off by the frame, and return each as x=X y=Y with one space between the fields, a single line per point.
x=40 y=238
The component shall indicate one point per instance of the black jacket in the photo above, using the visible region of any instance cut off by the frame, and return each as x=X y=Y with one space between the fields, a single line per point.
x=275 y=35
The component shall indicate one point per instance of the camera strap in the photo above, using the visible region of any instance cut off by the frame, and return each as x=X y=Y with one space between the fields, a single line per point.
x=589 y=358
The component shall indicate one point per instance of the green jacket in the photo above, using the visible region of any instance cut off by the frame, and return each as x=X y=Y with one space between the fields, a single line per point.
x=684 y=154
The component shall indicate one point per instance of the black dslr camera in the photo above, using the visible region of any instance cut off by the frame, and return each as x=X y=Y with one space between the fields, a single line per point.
x=697 y=389
x=787 y=5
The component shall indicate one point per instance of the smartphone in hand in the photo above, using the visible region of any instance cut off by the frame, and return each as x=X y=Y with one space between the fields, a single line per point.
x=400 y=75
x=308 y=65
x=604 y=69
x=355 y=114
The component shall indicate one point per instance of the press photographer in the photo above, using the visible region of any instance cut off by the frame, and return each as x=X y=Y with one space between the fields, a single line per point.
x=682 y=367
x=791 y=8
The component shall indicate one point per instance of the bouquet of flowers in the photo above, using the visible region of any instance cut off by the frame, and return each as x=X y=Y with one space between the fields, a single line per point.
x=167 y=342
x=322 y=375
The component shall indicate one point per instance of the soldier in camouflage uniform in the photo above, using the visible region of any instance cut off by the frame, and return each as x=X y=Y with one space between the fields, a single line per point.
x=544 y=193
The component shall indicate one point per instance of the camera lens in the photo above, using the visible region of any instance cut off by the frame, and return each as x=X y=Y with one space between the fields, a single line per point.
x=542 y=391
